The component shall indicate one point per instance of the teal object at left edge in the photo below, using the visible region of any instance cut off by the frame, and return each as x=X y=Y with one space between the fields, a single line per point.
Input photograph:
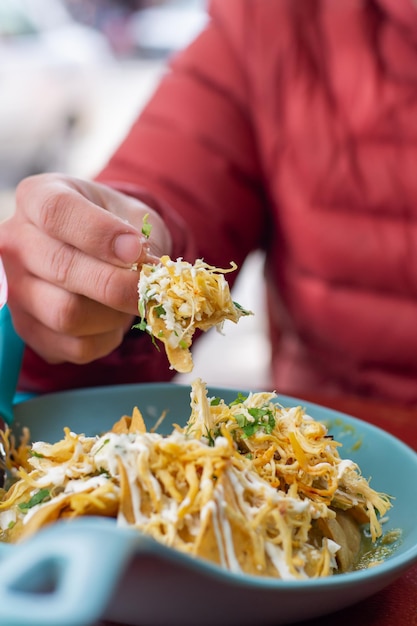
x=11 y=355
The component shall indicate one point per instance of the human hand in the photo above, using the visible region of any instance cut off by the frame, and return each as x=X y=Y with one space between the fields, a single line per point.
x=68 y=252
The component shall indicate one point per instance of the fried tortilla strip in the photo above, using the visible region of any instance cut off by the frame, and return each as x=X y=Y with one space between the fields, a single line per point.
x=61 y=451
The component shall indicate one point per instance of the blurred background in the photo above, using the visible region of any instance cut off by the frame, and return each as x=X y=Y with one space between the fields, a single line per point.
x=73 y=75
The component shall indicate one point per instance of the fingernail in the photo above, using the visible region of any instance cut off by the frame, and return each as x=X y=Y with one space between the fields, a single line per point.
x=128 y=247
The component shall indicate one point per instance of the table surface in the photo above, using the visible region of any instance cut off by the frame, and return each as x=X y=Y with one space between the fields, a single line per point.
x=397 y=604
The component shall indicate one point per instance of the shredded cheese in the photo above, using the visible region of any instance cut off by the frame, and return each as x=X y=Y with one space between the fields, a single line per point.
x=250 y=485
x=177 y=298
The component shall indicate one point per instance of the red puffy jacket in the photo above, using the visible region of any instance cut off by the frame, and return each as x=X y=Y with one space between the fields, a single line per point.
x=291 y=126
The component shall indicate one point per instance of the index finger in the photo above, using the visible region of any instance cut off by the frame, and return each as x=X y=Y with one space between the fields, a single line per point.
x=85 y=216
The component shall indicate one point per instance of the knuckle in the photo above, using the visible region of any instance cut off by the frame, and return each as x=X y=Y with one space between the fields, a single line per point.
x=114 y=287
x=108 y=279
x=65 y=315
x=62 y=260
x=55 y=210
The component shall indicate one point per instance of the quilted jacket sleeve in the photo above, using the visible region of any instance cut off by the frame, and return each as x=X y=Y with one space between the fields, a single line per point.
x=193 y=148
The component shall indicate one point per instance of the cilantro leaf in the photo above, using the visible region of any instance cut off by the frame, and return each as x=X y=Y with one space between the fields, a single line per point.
x=140 y=325
x=40 y=496
x=262 y=419
x=159 y=310
x=241 y=309
x=212 y=436
x=146 y=227
x=239 y=399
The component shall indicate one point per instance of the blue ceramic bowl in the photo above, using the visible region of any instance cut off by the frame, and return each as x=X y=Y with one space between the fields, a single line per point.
x=72 y=573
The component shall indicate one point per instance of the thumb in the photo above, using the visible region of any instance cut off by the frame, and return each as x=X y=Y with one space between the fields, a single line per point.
x=128 y=247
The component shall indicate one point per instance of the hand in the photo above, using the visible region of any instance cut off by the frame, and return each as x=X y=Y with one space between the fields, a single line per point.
x=68 y=252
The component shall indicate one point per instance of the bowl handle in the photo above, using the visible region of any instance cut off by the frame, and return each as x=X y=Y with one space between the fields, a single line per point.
x=11 y=354
x=65 y=574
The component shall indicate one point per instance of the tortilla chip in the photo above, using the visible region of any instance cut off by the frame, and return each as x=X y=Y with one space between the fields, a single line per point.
x=137 y=424
x=179 y=357
x=126 y=505
x=345 y=531
x=122 y=426
x=99 y=501
x=206 y=543
x=45 y=515
x=130 y=424
x=176 y=298
x=242 y=545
